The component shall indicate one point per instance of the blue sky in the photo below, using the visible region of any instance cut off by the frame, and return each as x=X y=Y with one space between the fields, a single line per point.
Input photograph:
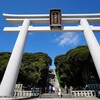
x=54 y=43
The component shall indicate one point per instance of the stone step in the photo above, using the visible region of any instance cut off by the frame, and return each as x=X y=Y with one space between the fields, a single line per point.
x=66 y=95
x=54 y=95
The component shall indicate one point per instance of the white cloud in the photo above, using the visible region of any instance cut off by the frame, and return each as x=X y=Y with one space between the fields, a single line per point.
x=68 y=38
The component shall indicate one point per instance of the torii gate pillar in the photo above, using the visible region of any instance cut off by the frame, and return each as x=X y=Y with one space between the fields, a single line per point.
x=93 y=44
x=10 y=77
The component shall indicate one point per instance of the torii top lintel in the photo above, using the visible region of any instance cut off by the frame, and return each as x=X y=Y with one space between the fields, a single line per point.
x=44 y=18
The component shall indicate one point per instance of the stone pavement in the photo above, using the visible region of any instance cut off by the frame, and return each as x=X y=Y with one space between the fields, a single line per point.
x=62 y=99
x=89 y=98
x=68 y=99
x=54 y=81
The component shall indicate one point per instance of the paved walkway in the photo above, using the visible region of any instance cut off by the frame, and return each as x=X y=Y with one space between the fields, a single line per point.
x=68 y=99
x=93 y=98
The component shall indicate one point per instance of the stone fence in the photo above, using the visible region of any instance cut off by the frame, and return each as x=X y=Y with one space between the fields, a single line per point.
x=92 y=87
x=23 y=93
x=83 y=93
x=18 y=87
x=20 y=92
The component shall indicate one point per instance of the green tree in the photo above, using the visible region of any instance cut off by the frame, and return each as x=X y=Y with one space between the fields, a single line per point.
x=34 y=68
x=76 y=67
x=3 y=62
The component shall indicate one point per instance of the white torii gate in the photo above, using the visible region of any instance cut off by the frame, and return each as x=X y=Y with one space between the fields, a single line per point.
x=10 y=77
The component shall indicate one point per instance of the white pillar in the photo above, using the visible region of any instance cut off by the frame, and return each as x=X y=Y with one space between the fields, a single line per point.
x=93 y=44
x=10 y=77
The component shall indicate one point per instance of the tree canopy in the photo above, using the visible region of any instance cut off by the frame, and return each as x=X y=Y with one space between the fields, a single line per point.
x=76 y=68
x=34 y=68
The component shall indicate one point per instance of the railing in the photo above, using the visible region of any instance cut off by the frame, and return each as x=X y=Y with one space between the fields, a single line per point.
x=92 y=86
x=19 y=92
x=23 y=93
x=19 y=87
x=83 y=93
